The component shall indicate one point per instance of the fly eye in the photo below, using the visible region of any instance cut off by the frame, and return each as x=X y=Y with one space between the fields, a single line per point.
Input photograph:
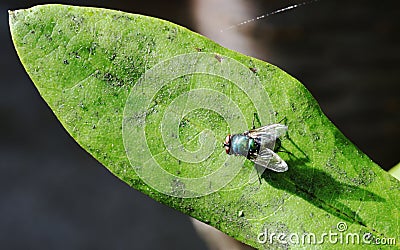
x=227 y=139
x=227 y=143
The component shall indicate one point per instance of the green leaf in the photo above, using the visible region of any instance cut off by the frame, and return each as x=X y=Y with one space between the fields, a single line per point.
x=153 y=101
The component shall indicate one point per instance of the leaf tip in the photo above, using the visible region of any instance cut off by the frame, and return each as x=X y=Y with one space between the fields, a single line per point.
x=13 y=17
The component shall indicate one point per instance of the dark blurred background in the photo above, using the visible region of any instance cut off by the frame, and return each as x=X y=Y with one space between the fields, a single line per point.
x=53 y=195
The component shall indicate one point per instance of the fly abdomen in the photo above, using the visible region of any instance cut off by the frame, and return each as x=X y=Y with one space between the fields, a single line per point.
x=254 y=148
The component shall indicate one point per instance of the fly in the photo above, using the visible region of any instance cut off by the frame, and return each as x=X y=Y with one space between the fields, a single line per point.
x=257 y=145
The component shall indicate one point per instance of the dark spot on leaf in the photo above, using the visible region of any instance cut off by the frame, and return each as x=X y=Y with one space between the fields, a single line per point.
x=315 y=136
x=190 y=209
x=97 y=73
x=48 y=37
x=92 y=48
x=365 y=177
x=254 y=70
x=75 y=54
x=172 y=34
x=218 y=57
x=109 y=78
x=183 y=123
x=117 y=17
x=293 y=106
x=78 y=20
x=83 y=107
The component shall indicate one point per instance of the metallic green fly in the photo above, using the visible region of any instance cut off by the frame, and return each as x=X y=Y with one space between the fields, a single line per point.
x=257 y=145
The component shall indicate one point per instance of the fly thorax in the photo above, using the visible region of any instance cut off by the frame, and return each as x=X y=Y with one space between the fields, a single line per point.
x=240 y=145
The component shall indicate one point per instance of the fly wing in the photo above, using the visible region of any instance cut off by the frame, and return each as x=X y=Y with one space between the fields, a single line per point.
x=267 y=135
x=273 y=129
x=255 y=175
x=269 y=159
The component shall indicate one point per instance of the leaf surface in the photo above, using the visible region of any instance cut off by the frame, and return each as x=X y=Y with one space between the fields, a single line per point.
x=153 y=102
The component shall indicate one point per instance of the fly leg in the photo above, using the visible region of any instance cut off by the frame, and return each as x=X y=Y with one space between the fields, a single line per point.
x=255 y=116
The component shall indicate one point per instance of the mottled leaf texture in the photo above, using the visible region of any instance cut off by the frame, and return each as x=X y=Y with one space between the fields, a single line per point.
x=138 y=92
